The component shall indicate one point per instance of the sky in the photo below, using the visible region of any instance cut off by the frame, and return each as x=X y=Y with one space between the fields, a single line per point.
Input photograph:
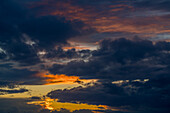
x=108 y=56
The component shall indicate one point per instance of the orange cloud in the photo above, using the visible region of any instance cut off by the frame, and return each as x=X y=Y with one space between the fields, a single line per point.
x=87 y=14
x=104 y=18
x=57 y=79
x=51 y=79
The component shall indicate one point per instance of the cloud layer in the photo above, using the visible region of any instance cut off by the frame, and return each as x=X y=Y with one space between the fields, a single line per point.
x=130 y=96
x=121 y=59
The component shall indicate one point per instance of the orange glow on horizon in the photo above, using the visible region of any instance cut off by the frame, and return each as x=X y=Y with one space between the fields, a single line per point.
x=56 y=79
x=52 y=79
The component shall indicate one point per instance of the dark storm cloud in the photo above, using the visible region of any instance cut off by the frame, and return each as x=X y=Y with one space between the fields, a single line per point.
x=69 y=54
x=23 y=35
x=21 y=53
x=122 y=59
x=48 y=31
x=43 y=33
x=151 y=96
x=10 y=35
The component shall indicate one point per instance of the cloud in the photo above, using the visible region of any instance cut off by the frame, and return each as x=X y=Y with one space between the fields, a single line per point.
x=140 y=17
x=8 y=73
x=7 y=84
x=21 y=90
x=121 y=59
x=152 y=4
x=60 y=53
x=140 y=66
x=17 y=106
x=34 y=33
x=130 y=96
x=23 y=35
x=48 y=31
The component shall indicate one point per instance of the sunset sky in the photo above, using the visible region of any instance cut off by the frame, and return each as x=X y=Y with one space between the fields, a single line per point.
x=84 y=56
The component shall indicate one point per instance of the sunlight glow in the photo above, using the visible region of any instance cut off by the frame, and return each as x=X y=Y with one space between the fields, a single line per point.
x=52 y=79
x=53 y=105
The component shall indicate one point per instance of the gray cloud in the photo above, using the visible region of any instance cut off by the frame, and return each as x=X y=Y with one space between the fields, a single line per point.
x=21 y=90
x=152 y=96
x=121 y=59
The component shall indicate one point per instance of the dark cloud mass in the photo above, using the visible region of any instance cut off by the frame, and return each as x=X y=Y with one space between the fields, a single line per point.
x=137 y=97
x=48 y=31
x=22 y=35
x=141 y=65
x=122 y=59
